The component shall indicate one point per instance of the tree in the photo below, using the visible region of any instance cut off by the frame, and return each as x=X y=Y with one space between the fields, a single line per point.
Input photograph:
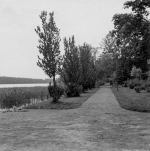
x=138 y=7
x=49 y=48
x=71 y=68
x=106 y=60
x=85 y=54
x=106 y=65
x=132 y=33
x=88 y=66
x=108 y=44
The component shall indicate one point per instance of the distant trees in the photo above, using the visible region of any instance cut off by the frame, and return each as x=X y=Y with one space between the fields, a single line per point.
x=13 y=80
x=106 y=65
x=106 y=62
x=49 y=41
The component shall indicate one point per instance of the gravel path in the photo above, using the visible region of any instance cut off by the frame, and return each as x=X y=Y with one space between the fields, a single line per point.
x=98 y=125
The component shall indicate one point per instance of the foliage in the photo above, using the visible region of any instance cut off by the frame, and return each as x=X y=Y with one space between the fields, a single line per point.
x=148 y=84
x=85 y=56
x=10 y=97
x=71 y=73
x=137 y=89
x=108 y=44
x=89 y=71
x=132 y=35
x=101 y=82
x=127 y=45
x=106 y=61
x=148 y=89
x=148 y=73
x=58 y=90
x=144 y=76
x=125 y=84
x=49 y=47
x=136 y=72
x=133 y=83
x=114 y=76
x=143 y=86
x=148 y=80
x=137 y=84
x=73 y=90
x=138 y=6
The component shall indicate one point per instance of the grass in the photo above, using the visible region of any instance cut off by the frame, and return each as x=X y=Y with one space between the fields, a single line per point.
x=130 y=100
x=64 y=102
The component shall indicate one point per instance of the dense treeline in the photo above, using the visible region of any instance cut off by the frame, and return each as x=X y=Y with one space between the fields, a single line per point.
x=79 y=70
x=127 y=45
x=77 y=67
x=13 y=80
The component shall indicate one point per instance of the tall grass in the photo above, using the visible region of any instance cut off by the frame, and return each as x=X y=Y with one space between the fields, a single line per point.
x=10 y=97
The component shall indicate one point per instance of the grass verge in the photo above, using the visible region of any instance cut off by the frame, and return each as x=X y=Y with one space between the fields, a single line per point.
x=64 y=103
x=130 y=100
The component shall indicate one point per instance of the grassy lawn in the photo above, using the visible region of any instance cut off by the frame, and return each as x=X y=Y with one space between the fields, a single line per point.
x=130 y=100
x=64 y=102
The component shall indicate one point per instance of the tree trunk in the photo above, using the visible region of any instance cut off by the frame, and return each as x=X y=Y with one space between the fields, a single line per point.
x=55 y=99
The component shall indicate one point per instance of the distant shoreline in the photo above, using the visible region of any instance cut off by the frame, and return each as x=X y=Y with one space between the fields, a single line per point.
x=14 y=80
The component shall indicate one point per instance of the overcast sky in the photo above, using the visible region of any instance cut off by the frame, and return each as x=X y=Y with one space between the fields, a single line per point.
x=88 y=20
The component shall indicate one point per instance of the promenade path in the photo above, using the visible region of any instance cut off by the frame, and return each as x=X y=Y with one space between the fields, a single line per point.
x=98 y=125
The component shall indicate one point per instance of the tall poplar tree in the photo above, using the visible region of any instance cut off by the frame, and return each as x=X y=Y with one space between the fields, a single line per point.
x=71 y=67
x=49 y=40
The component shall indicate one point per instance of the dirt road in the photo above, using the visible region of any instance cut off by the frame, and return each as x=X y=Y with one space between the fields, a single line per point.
x=98 y=125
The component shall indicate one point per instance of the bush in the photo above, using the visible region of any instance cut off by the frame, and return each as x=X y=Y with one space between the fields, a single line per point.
x=148 y=85
x=137 y=89
x=55 y=93
x=101 y=83
x=144 y=76
x=143 y=87
x=131 y=85
x=148 y=89
x=148 y=82
x=72 y=90
x=136 y=72
x=124 y=84
x=135 y=82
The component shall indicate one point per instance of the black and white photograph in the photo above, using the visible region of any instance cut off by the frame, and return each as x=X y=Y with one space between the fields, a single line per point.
x=74 y=75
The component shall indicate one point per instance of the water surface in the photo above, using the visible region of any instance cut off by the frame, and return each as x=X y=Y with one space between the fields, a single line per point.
x=23 y=85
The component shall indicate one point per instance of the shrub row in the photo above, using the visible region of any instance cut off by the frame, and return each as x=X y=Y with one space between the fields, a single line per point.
x=138 y=84
x=69 y=90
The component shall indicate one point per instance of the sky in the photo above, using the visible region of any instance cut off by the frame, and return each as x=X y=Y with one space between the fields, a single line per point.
x=88 y=20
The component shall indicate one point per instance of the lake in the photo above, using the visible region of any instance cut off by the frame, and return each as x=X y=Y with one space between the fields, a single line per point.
x=23 y=85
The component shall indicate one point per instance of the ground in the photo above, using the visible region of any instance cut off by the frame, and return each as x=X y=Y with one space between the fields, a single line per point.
x=100 y=124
